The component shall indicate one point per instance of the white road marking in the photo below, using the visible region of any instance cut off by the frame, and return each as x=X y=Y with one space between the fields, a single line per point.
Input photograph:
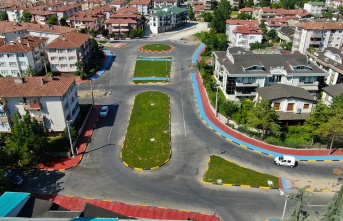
x=124 y=69
x=183 y=113
x=110 y=133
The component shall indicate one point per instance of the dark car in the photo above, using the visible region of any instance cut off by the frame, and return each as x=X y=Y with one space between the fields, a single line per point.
x=14 y=178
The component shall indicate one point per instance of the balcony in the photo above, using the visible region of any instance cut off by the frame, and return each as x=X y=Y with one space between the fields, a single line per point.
x=240 y=84
x=240 y=94
x=314 y=43
x=39 y=118
x=32 y=106
x=4 y=120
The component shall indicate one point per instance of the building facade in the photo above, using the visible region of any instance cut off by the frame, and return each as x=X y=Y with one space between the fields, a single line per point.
x=163 y=19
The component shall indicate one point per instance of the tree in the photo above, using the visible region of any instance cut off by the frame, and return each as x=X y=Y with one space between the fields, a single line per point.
x=63 y=21
x=300 y=198
x=328 y=14
x=137 y=33
x=332 y=129
x=214 y=4
x=318 y=117
x=249 y=3
x=264 y=3
x=207 y=16
x=105 y=33
x=96 y=52
x=191 y=14
x=272 y=34
x=340 y=11
x=52 y=20
x=334 y=208
x=264 y=117
x=27 y=141
x=288 y=4
x=73 y=134
x=91 y=31
x=286 y=45
x=79 y=69
x=227 y=108
x=29 y=72
x=3 y=16
x=244 y=16
x=220 y=15
x=241 y=4
x=26 y=17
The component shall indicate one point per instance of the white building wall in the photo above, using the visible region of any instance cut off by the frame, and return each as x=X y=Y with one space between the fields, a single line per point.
x=298 y=103
x=51 y=36
x=62 y=60
x=54 y=113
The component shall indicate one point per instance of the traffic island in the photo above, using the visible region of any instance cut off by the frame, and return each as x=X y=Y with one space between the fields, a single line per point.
x=152 y=70
x=156 y=48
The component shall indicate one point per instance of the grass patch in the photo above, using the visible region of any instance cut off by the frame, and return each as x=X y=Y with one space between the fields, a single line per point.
x=233 y=174
x=148 y=121
x=156 y=47
x=156 y=68
x=234 y=13
x=145 y=82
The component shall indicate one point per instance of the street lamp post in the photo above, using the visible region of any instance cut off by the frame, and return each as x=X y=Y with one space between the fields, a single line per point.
x=71 y=143
x=90 y=82
x=284 y=207
x=216 y=109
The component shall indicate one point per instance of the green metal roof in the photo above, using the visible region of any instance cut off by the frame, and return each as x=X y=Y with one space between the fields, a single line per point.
x=167 y=10
x=317 y=3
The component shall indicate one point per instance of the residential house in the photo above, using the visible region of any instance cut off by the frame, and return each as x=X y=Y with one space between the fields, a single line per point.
x=293 y=105
x=330 y=92
x=243 y=35
x=315 y=8
x=10 y=31
x=121 y=22
x=286 y=34
x=143 y=6
x=234 y=3
x=50 y=100
x=248 y=10
x=208 y=4
x=277 y=23
x=266 y=13
x=329 y=60
x=167 y=18
x=317 y=35
x=199 y=9
x=90 y=4
x=333 y=3
x=117 y=4
x=104 y=9
x=159 y=3
x=232 y=24
x=67 y=10
x=68 y=49
x=241 y=72
x=87 y=20
x=41 y=16
x=15 y=13
x=17 y=56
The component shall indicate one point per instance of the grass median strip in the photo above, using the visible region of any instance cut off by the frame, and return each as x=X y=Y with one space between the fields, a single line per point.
x=231 y=173
x=156 y=47
x=147 y=141
x=152 y=68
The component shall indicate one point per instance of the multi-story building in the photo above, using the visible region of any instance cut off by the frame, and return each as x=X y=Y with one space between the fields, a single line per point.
x=90 y=4
x=122 y=21
x=117 y=4
x=41 y=16
x=86 y=20
x=68 y=49
x=241 y=72
x=143 y=6
x=198 y=8
x=293 y=105
x=248 y=10
x=158 y=3
x=17 y=56
x=50 y=100
x=67 y=10
x=243 y=35
x=331 y=61
x=232 y=24
x=330 y=92
x=15 y=13
x=266 y=13
x=315 y=8
x=333 y=3
x=317 y=35
x=163 y=19
x=278 y=23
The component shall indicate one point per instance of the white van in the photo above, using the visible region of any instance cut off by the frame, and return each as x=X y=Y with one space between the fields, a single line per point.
x=285 y=161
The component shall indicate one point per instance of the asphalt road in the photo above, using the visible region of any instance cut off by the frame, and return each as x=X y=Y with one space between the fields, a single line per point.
x=102 y=175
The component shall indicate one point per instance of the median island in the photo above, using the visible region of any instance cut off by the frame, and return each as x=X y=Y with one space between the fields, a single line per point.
x=147 y=142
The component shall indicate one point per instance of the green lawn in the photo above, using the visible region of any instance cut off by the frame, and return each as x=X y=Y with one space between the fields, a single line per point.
x=155 y=68
x=149 y=120
x=156 y=47
x=231 y=173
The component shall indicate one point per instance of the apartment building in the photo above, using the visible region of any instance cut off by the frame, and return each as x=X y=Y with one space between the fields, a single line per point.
x=117 y=4
x=41 y=16
x=143 y=6
x=159 y=3
x=241 y=72
x=87 y=20
x=330 y=92
x=315 y=8
x=52 y=101
x=163 y=19
x=293 y=105
x=232 y=24
x=122 y=21
x=68 y=49
x=90 y=4
x=267 y=13
x=278 y=23
x=333 y=3
x=17 y=56
x=317 y=35
x=248 y=10
x=199 y=9
x=243 y=35
x=67 y=10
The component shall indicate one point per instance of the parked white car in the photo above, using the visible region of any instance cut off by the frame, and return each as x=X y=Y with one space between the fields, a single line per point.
x=285 y=161
x=104 y=111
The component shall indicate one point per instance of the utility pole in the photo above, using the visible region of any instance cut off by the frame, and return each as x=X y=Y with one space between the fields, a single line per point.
x=71 y=142
x=90 y=81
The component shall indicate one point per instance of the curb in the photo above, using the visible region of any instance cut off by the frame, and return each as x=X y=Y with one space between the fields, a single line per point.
x=232 y=184
x=170 y=149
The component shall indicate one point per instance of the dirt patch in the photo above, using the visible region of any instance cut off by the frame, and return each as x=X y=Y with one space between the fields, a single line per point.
x=114 y=45
x=96 y=93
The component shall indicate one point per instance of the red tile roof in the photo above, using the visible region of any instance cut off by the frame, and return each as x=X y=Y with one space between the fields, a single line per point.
x=116 y=2
x=120 y=21
x=34 y=86
x=10 y=26
x=85 y=16
x=129 y=12
x=246 y=10
x=66 y=7
x=25 y=44
x=199 y=8
x=139 y=2
x=242 y=22
x=321 y=25
x=39 y=12
x=70 y=40
x=246 y=29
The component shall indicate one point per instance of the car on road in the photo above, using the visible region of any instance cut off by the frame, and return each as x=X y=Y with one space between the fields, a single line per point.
x=104 y=111
x=285 y=161
x=15 y=179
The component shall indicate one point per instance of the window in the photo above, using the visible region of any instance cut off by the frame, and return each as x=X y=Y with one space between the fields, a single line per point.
x=53 y=58
x=252 y=37
x=306 y=106
x=2 y=64
x=71 y=50
x=60 y=50
x=10 y=55
x=62 y=58
x=72 y=58
x=277 y=106
x=52 y=50
x=14 y=73
x=22 y=63
x=3 y=72
x=13 y=64
x=308 y=80
x=72 y=66
x=290 y=106
x=54 y=66
x=64 y=66
x=66 y=106
x=1 y=55
x=20 y=55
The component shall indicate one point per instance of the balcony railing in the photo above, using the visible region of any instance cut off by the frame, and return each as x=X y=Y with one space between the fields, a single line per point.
x=32 y=106
x=240 y=84
x=240 y=94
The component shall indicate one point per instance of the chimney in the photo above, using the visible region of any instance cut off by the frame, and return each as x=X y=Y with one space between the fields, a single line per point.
x=11 y=42
x=43 y=81
x=19 y=80
x=64 y=39
x=28 y=44
x=19 y=41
